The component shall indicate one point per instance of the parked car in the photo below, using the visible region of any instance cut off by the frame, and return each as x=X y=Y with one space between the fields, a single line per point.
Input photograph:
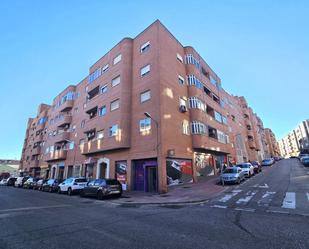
x=11 y=181
x=30 y=182
x=232 y=175
x=247 y=168
x=51 y=185
x=268 y=162
x=257 y=166
x=20 y=181
x=305 y=161
x=302 y=157
x=38 y=184
x=3 y=182
x=72 y=185
x=101 y=188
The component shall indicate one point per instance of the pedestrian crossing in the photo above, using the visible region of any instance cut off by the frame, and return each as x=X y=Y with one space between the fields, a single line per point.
x=262 y=199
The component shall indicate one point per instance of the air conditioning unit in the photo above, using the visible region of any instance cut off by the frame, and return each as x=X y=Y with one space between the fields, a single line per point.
x=182 y=108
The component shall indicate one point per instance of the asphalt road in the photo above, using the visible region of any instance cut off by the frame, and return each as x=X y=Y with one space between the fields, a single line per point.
x=32 y=219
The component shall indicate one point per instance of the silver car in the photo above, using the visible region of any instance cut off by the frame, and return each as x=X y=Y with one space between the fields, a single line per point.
x=247 y=168
x=232 y=175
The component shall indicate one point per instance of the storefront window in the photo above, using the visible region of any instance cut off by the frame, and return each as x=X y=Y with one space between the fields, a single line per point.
x=179 y=171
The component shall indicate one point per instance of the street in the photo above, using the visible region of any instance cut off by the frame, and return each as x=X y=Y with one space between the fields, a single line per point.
x=269 y=210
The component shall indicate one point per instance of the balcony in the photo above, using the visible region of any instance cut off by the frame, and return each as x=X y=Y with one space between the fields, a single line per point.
x=36 y=151
x=62 y=137
x=38 y=138
x=66 y=120
x=251 y=144
x=67 y=106
x=40 y=126
x=56 y=155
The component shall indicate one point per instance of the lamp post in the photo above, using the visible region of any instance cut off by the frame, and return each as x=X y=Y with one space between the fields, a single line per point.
x=147 y=114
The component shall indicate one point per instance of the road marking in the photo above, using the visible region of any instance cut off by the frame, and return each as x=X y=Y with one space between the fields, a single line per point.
x=227 y=197
x=245 y=209
x=289 y=200
x=218 y=206
x=266 y=198
x=277 y=212
x=249 y=196
x=260 y=186
x=32 y=208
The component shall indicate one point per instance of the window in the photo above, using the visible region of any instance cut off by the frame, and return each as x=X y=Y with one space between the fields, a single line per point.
x=222 y=137
x=115 y=105
x=117 y=59
x=179 y=57
x=102 y=111
x=212 y=133
x=193 y=81
x=210 y=111
x=218 y=117
x=104 y=89
x=191 y=60
x=82 y=124
x=145 y=47
x=100 y=134
x=96 y=74
x=145 y=70
x=76 y=110
x=185 y=127
x=198 y=128
x=183 y=104
x=213 y=81
x=116 y=81
x=105 y=68
x=194 y=102
x=113 y=131
x=181 y=80
x=94 y=92
x=145 y=125
x=224 y=120
x=71 y=145
x=145 y=96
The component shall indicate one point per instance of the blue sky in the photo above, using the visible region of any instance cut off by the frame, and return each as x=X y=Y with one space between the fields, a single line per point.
x=258 y=48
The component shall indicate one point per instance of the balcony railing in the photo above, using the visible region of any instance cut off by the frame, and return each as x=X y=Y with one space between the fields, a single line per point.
x=67 y=106
x=36 y=151
x=56 y=155
x=67 y=119
x=64 y=136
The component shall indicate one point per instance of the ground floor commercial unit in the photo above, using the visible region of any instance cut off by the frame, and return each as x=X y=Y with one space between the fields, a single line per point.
x=139 y=173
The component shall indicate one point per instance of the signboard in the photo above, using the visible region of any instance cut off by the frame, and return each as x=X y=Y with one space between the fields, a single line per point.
x=121 y=173
x=179 y=171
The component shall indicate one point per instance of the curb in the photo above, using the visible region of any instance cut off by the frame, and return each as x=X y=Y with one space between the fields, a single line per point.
x=171 y=203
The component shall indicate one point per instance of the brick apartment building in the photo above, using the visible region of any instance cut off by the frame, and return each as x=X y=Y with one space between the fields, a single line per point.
x=151 y=113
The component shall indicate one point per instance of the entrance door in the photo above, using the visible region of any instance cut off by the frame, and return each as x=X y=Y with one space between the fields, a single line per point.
x=138 y=176
x=61 y=173
x=103 y=167
x=152 y=179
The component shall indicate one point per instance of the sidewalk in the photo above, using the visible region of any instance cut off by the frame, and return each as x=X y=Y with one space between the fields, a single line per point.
x=181 y=194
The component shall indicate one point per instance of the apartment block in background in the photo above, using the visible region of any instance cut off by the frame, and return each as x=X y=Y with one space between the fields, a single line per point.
x=151 y=113
x=297 y=141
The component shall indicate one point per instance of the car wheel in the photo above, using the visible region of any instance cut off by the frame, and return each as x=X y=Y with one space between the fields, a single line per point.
x=69 y=191
x=100 y=195
x=238 y=181
x=59 y=191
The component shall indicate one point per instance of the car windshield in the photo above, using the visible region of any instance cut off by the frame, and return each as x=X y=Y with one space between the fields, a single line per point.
x=243 y=166
x=229 y=171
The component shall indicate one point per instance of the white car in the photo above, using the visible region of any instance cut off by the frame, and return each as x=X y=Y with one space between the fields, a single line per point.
x=72 y=185
x=247 y=168
x=20 y=181
x=3 y=182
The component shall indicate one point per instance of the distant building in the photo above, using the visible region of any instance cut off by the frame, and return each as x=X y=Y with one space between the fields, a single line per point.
x=297 y=141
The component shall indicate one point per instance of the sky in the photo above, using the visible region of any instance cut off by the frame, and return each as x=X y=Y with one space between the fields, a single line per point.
x=259 y=49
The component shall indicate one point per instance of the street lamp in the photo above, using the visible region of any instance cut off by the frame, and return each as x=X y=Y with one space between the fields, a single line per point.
x=147 y=114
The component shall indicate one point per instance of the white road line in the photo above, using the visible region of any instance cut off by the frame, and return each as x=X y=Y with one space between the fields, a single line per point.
x=266 y=198
x=227 y=197
x=249 y=196
x=32 y=208
x=289 y=200
x=245 y=209
x=218 y=206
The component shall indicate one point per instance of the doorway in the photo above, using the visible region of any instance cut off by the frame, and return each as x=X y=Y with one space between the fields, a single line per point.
x=102 y=170
x=151 y=179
